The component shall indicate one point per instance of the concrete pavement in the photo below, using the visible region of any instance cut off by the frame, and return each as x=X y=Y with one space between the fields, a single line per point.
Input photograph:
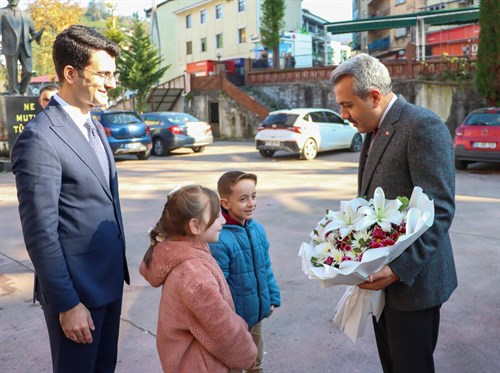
x=292 y=196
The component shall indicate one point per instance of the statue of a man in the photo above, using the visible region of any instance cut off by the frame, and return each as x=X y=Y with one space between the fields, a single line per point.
x=18 y=32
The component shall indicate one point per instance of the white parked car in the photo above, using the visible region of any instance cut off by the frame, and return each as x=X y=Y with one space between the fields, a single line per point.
x=307 y=131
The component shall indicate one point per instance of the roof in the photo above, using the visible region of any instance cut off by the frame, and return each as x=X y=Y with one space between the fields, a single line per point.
x=434 y=17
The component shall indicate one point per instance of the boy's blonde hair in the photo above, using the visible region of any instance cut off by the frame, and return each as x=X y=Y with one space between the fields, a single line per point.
x=231 y=178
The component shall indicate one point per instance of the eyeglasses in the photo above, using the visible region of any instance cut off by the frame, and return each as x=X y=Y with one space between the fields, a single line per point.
x=106 y=77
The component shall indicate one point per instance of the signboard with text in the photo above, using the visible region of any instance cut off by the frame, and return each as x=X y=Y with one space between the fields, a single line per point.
x=15 y=113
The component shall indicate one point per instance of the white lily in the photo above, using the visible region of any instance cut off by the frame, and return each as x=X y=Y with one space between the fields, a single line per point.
x=322 y=250
x=381 y=212
x=346 y=219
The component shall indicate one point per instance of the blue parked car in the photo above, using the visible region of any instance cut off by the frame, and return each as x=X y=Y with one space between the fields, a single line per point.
x=172 y=130
x=126 y=131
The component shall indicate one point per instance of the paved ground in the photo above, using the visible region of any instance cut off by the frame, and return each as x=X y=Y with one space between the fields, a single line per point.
x=292 y=196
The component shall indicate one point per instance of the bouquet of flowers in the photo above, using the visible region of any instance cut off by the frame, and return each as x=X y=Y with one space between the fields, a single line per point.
x=350 y=244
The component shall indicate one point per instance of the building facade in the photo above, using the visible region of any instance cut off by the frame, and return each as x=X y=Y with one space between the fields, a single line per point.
x=391 y=43
x=191 y=31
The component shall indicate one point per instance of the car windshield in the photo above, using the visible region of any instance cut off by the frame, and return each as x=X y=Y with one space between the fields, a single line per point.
x=280 y=119
x=181 y=118
x=483 y=119
x=122 y=118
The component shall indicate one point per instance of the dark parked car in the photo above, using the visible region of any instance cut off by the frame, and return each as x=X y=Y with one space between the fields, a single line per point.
x=477 y=139
x=126 y=131
x=171 y=130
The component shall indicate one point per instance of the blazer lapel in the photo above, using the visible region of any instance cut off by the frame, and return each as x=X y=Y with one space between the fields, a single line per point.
x=67 y=130
x=380 y=143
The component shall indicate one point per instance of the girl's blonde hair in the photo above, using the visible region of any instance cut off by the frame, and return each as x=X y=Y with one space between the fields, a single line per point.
x=182 y=205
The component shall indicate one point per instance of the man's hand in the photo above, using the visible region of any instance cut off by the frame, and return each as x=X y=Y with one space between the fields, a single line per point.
x=77 y=323
x=380 y=280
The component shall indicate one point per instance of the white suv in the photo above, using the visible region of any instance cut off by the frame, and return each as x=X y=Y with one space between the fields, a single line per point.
x=307 y=131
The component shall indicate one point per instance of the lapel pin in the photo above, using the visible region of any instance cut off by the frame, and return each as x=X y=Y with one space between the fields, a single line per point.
x=387 y=133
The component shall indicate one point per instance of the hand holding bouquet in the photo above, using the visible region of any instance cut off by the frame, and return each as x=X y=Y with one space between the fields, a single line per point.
x=350 y=244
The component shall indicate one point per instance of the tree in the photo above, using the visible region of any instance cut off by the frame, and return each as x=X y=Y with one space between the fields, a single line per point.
x=139 y=64
x=97 y=10
x=114 y=34
x=54 y=17
x=488 y=55
x=272 y=23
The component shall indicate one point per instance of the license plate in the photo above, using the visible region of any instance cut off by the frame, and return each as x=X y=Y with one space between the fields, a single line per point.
x=272 y=143
x=484 y=145
x=134 y=145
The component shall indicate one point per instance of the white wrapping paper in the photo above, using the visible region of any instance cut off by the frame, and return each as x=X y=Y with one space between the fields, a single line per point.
x=357 y=304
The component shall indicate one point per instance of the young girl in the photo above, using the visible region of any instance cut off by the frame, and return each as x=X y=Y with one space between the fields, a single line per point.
x=198 y=330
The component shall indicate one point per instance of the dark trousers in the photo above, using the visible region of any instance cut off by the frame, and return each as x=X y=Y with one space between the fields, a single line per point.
x=98 y=357
x=406 y=340
x=15 y=87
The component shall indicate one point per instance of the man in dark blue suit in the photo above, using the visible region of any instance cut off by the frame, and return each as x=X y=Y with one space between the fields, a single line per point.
x=405 y=146
x=67 y=189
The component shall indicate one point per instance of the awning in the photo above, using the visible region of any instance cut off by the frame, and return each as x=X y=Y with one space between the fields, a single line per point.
x=435 y=18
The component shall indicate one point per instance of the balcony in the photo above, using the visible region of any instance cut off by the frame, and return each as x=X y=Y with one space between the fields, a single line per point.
x=380 y=13
x=379 y=44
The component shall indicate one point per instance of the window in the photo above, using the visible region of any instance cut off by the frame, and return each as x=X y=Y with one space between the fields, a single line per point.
x=332 y=118
x=151 y=120
x=400 y=2
x=203 y=45
x=218 y=11
x=242 y=36
x=437 y=7
x=188 y=21
x=189 y=47
x=242 y=5
x=203 y=16
x=401 y=32
x=218 y=41
x=317 y=117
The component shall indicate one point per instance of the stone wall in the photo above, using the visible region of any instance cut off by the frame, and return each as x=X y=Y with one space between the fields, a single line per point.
x=452 y=102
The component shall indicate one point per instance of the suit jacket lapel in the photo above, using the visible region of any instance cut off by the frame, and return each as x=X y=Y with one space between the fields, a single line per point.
x=67 y=130
x=383 y=138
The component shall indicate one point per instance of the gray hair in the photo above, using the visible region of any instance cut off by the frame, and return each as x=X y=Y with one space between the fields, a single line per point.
x=367 y=72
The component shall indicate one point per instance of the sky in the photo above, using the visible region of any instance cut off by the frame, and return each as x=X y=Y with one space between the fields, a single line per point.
x=330 y=10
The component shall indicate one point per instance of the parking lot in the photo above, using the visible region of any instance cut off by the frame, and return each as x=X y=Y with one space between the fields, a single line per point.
x=292 y=196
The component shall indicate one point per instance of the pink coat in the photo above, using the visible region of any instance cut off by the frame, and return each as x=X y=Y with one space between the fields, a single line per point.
x=198 y=330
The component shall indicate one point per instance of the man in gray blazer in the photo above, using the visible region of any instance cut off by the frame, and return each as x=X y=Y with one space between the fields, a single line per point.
x=405 y=146
x=17 y=29
x=67 y=189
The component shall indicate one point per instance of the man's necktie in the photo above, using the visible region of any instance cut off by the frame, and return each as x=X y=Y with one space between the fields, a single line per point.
x=374 y=133
x=98 y=148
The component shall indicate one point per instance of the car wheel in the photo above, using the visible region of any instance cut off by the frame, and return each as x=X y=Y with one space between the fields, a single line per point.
x=267 y=153
x=310 y=150
x=356 y=143
x=461 y=165
x=159 y=148
x=144 y=155
x=198 y=149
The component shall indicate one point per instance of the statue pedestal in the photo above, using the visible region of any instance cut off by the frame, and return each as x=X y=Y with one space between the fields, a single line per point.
x=15 y=113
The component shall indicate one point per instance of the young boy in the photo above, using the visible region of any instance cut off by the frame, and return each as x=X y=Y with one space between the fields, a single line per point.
x=242 y=252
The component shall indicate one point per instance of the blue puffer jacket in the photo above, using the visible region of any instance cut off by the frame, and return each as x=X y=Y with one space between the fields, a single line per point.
x=242 y=252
